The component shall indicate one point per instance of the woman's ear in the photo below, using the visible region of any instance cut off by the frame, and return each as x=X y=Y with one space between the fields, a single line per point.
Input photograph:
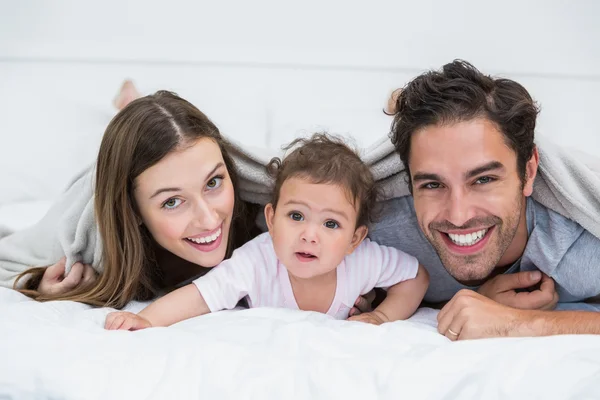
x=359 y=235
x=269 y=215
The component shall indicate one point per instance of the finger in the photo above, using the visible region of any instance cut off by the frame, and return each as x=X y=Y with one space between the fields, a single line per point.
x=116 y=322
x=127 y=324
x=547 y=284
x=57 y=270
x=455 y=330
x=89 y=275
x=446 y=309
x=539 y=298
x=74 y=277
x=445 y=317
x=362 y=304
x=354 y=311
x=518 y=280
x=109 y=320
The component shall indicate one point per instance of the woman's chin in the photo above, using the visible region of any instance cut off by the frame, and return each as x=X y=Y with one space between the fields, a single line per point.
x=208 y=258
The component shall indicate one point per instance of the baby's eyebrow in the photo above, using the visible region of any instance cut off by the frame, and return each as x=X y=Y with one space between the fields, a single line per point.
x=330 y=210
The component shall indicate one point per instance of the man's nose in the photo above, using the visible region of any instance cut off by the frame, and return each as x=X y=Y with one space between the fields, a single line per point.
x=459 y=210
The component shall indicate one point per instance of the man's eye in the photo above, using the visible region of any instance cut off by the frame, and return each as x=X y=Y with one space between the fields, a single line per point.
x=296 y=216
x=483 y=180
x=431 y=185
x=331 y=224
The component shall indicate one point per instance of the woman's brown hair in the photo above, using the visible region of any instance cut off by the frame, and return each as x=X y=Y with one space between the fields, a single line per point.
x=138 y=137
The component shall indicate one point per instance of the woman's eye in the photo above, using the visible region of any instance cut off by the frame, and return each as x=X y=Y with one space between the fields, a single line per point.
x=331 y=224
x=296 y=216
x=215 y=182
x=172 y=203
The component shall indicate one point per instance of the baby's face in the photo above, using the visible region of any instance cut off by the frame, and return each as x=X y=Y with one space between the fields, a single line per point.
x=313 y=228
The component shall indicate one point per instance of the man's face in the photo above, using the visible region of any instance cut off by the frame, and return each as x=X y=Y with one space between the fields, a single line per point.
x=469 y=198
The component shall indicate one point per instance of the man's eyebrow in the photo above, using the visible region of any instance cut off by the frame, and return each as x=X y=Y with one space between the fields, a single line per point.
x=176 y=189
x=492 y=165
x=425 y=176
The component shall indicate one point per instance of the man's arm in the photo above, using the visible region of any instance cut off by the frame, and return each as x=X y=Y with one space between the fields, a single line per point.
x=470 y=315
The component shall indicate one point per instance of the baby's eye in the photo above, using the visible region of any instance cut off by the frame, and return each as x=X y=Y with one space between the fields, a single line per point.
x=172 y=203
x=331 y=224
x=296 y=216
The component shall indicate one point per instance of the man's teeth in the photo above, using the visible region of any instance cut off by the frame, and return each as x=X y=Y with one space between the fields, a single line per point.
x=206 y=239
x=469 y=239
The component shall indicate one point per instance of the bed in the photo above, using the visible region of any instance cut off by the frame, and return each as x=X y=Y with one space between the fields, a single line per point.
x=60 y=351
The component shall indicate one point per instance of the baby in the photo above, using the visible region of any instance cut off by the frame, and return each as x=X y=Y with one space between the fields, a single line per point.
x=315 y=256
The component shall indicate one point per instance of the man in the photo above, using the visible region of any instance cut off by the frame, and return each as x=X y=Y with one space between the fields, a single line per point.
x=498 y=258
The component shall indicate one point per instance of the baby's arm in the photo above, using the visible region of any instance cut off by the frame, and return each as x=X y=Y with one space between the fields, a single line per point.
x=404 y=298
x=401 y=302
x=181 y=304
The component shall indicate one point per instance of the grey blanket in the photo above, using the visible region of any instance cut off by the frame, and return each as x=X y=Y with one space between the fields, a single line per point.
x=568 y=182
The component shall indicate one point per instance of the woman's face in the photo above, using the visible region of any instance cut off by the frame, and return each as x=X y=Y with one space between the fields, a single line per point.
x=186 y=202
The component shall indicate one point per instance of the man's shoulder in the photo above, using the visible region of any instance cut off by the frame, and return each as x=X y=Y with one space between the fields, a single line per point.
x=399 y=211
x=553 y=226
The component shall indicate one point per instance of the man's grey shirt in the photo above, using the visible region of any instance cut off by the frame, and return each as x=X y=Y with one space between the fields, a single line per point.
x=557 y=246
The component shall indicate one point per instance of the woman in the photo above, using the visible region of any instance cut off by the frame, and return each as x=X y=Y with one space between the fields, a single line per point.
x=165 y=204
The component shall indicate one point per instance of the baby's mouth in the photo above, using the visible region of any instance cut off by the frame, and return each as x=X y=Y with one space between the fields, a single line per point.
x=302 y=256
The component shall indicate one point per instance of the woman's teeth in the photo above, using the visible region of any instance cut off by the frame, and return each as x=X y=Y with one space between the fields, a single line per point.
x=206 y=239
x=469 y=239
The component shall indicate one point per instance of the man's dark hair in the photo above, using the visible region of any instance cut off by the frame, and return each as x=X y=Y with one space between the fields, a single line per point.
x=457 y=93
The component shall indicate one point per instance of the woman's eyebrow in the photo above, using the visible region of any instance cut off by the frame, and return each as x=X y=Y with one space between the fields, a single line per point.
x=210 y=174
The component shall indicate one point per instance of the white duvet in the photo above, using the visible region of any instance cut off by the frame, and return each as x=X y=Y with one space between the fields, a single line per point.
x=60 y=350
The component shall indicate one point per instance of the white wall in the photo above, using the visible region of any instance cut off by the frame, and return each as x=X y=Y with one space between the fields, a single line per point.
x=266 y=71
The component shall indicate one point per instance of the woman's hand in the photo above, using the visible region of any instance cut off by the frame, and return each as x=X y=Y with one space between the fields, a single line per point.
x=54 y=281
x=125 y=321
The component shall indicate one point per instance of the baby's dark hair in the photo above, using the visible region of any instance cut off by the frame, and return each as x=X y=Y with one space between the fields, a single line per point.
x=324 y=158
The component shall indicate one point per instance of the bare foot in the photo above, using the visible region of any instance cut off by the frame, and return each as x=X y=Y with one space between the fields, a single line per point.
x=126 y=95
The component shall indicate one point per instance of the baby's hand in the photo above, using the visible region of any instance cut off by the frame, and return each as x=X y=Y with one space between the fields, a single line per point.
x=126 y=321
x=373 y=317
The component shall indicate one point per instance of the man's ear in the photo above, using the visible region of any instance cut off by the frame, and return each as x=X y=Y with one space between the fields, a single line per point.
x=531 y=169
x=269 y=214
x=359 y=235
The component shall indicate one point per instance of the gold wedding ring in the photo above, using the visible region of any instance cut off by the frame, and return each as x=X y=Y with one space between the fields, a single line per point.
x=450 y=331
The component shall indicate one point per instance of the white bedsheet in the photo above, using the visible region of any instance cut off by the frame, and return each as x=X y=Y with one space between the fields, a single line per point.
x=60 y=350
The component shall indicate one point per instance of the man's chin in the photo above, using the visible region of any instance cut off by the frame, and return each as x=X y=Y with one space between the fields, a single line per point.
x=473 y=276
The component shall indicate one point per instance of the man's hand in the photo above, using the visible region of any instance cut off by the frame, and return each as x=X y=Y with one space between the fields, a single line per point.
x=502 y=289
x=126 y=321
x=374 y=317
x=54 y=281
x=469 y=315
